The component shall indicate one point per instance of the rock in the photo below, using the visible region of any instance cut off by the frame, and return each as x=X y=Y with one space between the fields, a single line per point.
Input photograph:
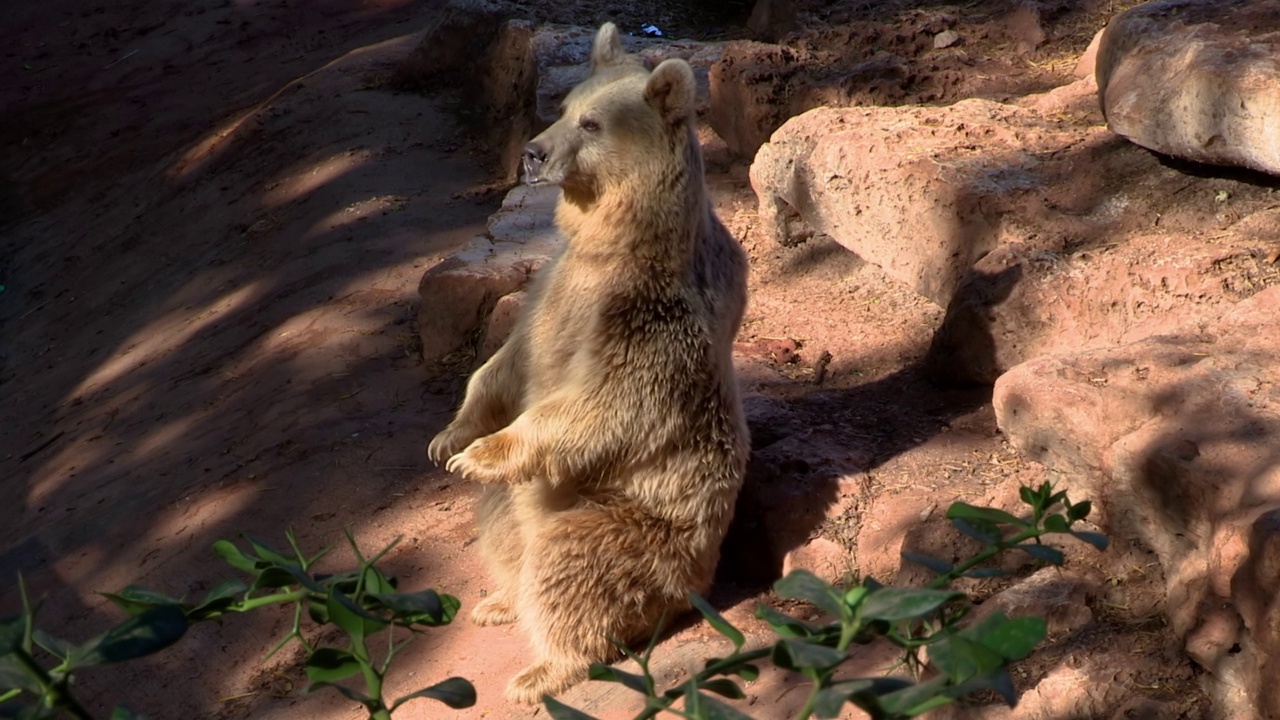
x=1058 y=596
x=1175 y=439
x=1196 y=79
x=822 y=557
x=459 y=293
x=771 y=19
x=749 y=93
x=945 y=39
x=1020 y=302
x=1088 y=62
x=1026 y=28
x=922 y=192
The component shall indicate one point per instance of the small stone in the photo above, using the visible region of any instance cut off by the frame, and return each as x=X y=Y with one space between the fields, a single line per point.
x=945 y=39
x=820 y=556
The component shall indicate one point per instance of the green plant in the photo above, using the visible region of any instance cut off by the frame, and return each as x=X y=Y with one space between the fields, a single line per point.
x=963 y=658
x=362 y=603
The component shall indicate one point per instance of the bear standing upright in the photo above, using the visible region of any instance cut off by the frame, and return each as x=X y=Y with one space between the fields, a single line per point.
x=608 y=429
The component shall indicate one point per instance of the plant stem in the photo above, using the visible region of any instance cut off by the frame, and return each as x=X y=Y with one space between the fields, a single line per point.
x=55 y=694
x=276 y=599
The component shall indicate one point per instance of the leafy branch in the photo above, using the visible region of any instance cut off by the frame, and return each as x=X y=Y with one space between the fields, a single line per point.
x=962 y=659
x=361 y=602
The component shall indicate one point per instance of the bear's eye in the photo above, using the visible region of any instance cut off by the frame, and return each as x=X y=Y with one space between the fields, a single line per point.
x=589 y=124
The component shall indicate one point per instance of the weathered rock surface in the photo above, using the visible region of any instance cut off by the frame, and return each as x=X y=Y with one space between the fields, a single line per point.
x=923 y=192
x=1021 y=302
x=1176 y=439
x=460 y=293
x=1196 y=79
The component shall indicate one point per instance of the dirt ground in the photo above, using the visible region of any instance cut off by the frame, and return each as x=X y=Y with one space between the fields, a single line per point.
x=213 y=218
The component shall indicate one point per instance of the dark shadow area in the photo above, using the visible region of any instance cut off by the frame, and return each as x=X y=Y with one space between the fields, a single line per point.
x=189 y=356
x=798 y=470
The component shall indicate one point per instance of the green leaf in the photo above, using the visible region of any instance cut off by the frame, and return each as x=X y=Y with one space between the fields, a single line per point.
x=375 y=582
x=328 y=664
x=746 y=671
x=268 y=553
x=134 y=599
x=864 y=692
x=717 y=621
x=783 y=624
x=124 y=713
x=1043 y=552
x=359 y=697
x=1055 y=523
x=1080 y=510
x=1002 y=683
x=54 y=646
x=980 y=530
x=357 y=623
x=272 y=577
x=301 y=577
x=152 y=631
x=893 y=604
x=236 y=559
x=221 y=597
x=1028 y=495
x=425 y=607
x=797 y=654
x=455 y=692
x=609 y=673
x=965 y=511
x=934 y=564
x=1097 y=540
x=961 y=659
x=14 y=675
x=804 y=585
x=725 y=688
x=559 y=711
x=1011 y=639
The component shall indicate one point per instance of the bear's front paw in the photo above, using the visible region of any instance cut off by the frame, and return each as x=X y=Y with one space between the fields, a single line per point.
x=450 y=442
x=487 y=460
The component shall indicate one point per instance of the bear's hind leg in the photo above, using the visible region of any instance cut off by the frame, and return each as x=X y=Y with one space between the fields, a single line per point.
x=593 y=574
x=502 y=546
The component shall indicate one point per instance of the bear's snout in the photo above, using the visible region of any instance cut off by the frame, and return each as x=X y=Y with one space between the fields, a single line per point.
x=534 y=156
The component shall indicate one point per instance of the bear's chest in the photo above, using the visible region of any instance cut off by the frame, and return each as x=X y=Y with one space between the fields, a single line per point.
x=560 y=330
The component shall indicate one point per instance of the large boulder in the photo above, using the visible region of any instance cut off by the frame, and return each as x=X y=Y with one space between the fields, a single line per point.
x=924 y=192
x=1176 y=438
x=1196 y=79
x=460 y=293
x=1021 y=302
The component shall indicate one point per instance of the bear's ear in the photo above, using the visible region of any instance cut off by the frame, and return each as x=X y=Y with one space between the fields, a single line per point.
x=607 y=48
x=670 y=90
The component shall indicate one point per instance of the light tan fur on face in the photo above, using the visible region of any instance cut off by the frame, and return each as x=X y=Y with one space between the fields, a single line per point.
x=608 y=430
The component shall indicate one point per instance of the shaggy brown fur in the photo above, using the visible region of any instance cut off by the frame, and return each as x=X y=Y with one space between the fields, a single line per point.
x=608 y=429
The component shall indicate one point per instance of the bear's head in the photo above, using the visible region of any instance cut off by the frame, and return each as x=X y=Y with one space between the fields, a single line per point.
x=622 y=127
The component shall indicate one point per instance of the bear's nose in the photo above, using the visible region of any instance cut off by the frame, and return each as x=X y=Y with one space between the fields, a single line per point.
x=534 y=156
x=535 y=153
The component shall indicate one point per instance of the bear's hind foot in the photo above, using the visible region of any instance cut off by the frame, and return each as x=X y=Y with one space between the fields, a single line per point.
x=545 y=678
x=497 y=609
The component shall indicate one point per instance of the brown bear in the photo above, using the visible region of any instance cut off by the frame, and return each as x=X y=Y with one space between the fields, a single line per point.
x=608 y=429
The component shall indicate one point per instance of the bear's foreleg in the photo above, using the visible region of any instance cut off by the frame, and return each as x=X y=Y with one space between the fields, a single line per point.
x=492 y=401
x=557 y=440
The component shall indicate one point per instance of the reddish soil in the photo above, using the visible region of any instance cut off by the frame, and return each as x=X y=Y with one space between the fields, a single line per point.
x=214 y=216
